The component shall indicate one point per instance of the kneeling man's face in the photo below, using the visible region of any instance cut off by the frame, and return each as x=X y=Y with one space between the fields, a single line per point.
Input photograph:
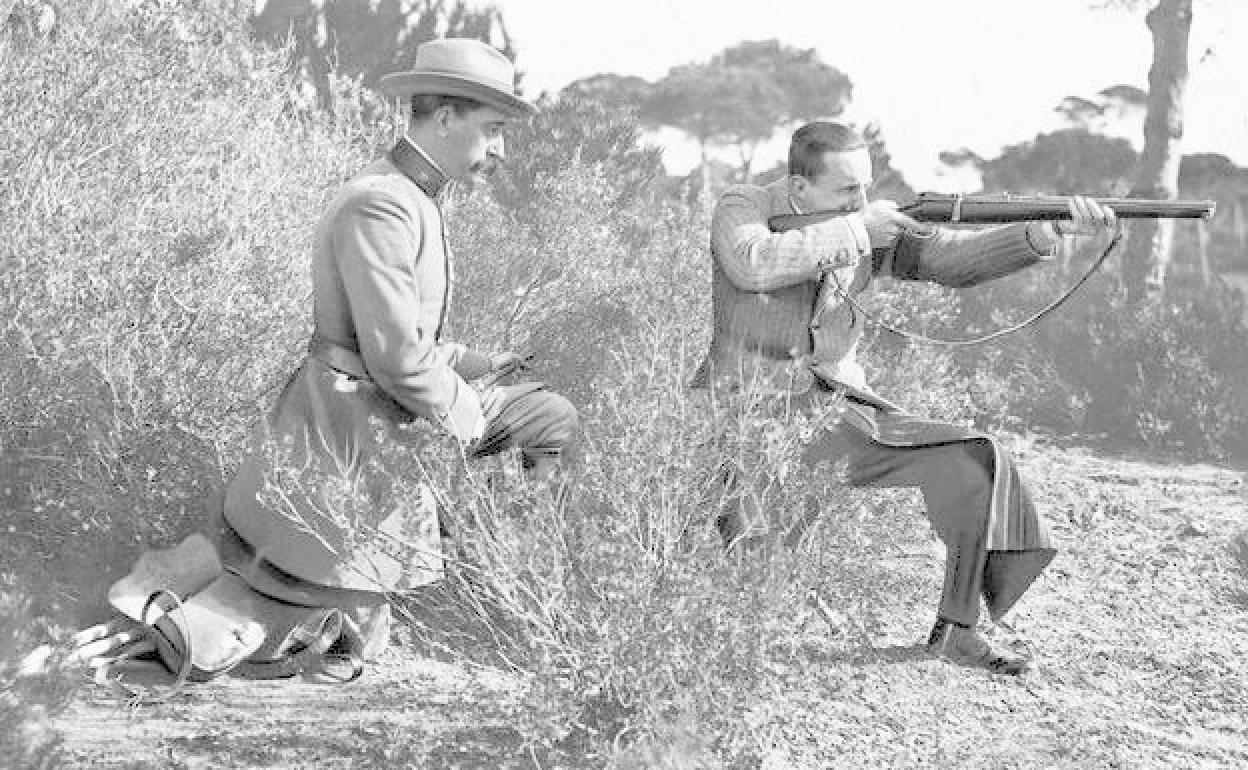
x=475 y=142
x=841 y=187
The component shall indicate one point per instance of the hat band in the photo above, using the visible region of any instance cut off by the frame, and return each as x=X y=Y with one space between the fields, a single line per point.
x=460 y=75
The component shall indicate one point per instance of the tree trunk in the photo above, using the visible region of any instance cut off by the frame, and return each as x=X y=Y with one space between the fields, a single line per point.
x=1202 y=240
x=705 y=196
x=1240 y=221
x=747 y=150
x=1149 y=241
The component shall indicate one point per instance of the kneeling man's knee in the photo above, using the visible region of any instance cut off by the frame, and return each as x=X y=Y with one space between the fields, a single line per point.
x=564 y=419
x=560 y=425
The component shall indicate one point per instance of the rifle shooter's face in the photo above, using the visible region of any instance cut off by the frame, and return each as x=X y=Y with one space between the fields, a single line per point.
x=842 y=186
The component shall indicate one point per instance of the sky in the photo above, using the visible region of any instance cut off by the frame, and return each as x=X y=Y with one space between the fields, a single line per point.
x=936 y=75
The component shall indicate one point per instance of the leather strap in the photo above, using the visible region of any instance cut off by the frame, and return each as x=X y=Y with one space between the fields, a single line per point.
x=312 y=656
x=1044 y=311
x=169 y=603
x=337 y=356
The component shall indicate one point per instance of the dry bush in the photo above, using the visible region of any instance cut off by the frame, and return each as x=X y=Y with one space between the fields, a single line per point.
x=159 y=202
x=1239 y=556
x=32 y=692
x=620 y=597
x=1170 y=374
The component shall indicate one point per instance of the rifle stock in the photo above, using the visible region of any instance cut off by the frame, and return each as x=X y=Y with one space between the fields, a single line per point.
x=1001 y=208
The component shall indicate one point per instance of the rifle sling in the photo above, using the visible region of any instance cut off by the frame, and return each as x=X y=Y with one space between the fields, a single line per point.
x=1049 y=308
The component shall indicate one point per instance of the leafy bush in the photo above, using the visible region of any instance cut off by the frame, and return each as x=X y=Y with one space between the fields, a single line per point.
x=1170 y=374
x=159 y=201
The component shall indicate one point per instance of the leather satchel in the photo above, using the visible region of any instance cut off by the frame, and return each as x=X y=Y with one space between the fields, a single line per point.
x=204 y=620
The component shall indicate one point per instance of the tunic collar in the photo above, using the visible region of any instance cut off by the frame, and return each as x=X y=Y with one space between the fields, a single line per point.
x=419 y=167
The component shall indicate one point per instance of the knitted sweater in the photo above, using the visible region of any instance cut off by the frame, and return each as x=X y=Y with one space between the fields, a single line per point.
x=778 y=298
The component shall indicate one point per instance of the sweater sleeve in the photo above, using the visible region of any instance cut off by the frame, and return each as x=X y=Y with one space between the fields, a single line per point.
x=961 y=258
x=756 y=259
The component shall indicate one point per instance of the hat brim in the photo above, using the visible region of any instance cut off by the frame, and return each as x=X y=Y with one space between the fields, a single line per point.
x=405 y=84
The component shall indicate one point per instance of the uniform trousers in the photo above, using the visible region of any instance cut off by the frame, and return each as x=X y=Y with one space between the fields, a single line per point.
x=956 y=471
x=540 y=422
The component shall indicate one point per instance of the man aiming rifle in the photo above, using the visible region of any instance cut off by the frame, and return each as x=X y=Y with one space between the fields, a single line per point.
x=784 y=324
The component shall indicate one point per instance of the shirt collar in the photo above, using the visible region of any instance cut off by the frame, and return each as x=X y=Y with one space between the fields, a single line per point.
x=413 y=161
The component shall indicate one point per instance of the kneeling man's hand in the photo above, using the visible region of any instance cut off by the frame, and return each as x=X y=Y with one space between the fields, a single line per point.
x=503 y=364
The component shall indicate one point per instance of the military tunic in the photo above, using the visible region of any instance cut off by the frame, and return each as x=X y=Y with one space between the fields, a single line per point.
x=319 y=502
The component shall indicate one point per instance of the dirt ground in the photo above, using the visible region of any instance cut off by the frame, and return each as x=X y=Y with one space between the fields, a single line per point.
x=1139 y=628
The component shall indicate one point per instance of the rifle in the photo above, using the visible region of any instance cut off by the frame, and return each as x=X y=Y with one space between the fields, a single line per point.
x=1006 y=207
x=999 y=208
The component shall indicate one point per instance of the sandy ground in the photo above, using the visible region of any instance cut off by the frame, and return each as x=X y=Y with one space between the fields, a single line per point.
x=1139 y=628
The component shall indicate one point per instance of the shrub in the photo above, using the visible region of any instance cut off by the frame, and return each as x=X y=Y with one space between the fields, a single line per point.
x=159 y=201
x=1169 y=374
x=32 y=692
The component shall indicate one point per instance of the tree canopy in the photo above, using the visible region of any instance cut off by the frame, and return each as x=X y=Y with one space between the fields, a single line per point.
x=740 y=98
x=807 y=87
x=744 y=94
x=1066 y=162
x=362 y=41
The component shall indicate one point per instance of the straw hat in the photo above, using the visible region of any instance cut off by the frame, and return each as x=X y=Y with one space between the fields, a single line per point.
x=461 y=67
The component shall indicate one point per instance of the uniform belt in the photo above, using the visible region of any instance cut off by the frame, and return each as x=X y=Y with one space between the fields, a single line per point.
x=240 y=557
x=336 y=356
